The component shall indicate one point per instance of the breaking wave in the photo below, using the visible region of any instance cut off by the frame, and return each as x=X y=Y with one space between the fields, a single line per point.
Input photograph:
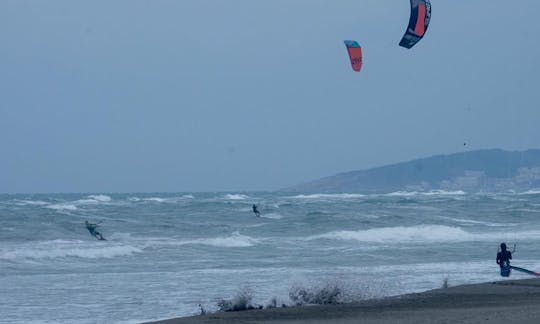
x=426 y=193
x=234 y=240
x=100 y=198
x=418 y=234
x=155 y=199
x=475 y=222
x=272 y=216
x=93 y=199
x=162 y=200
x=31 y=203
x=531 y=192
x=62 y=207
x=329 y=196
x=235 y=197
x=62 y=250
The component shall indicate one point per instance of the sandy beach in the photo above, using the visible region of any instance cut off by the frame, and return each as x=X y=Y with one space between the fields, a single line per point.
x=511 y=301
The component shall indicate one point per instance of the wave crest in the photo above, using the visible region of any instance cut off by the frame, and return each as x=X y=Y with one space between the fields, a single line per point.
x=421 y=233
x=426 y=193
x=65 y=251
x=329 y=196
x=235 y=197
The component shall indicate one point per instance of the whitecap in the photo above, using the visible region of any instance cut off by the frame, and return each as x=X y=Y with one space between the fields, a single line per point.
x=31 y=203
x=476 y=222
x=235 y=197
x=67 y=250
x=444 y=193
x=100 y=198
x=419 y=234
x=531 y=192
x=426 y=193
x=232 y=241
x=235 y=240
x=272 y=216
x=155 y=199
x=62 y=207
x=328 y=196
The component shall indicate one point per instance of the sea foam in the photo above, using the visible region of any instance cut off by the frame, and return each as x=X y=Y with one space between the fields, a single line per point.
x=426 y=193
x=235 y=197
x=30 y=203
x=100 y=198
x=418 y=234
x=272 y=216
x=64 y=251
x=234 y=240
x=329 y=196
x=531 y=192
x=62 y=207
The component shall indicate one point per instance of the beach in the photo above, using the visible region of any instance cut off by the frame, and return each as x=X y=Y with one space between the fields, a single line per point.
x=510 y=301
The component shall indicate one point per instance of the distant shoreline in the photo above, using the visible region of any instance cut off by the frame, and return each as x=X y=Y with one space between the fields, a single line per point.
x=511 y=301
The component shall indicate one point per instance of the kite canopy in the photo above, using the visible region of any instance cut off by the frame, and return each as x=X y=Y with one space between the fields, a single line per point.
x=418 y=23
x=355 y=54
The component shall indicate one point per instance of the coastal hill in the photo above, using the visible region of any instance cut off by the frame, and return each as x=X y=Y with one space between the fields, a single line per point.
x=474 y=171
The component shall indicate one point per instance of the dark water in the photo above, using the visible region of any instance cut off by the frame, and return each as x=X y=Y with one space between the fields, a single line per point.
x=167 y=253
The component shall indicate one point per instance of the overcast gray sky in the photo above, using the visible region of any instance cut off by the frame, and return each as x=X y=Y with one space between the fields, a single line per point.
x=219 y=95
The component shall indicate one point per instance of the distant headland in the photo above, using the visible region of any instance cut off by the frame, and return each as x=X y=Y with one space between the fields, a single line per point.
x=493 y=170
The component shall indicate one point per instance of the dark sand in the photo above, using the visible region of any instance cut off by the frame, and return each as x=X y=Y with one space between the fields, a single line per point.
x=516 y=301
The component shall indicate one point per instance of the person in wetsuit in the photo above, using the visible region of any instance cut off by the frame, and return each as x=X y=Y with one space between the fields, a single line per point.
x=92 y=229
x=255 y=210
x=503 y=260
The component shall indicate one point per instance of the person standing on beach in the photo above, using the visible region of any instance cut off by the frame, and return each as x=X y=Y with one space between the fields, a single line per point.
x=255 y=210
x=503 y=260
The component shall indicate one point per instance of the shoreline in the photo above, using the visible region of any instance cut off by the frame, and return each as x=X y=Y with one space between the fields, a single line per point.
x=509 y=301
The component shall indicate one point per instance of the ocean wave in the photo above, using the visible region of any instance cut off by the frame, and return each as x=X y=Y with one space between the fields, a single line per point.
x=62 y=207
x=235 y=197
x=155 y=199
x=419 y=234
x=426 y=193
x=272 y=216
x=531 y=192
x=30 y=203
x=93 y=199
x=100 y=198
x=235 y=240
x=161 y=199
x=62 y=250
x=328 y=196
x=476 y=222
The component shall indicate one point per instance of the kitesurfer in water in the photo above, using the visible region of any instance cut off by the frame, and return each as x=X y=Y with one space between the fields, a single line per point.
x=92 y=229
x=503 y=260
x=255 y=210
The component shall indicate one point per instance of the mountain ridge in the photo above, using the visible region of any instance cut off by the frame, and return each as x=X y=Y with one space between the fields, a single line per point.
x=490 y=170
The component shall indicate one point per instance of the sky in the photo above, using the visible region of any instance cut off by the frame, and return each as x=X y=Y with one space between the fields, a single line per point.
x=240 y=95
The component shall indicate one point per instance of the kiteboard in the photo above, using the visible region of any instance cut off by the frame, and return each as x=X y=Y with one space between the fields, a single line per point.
x=525 y=271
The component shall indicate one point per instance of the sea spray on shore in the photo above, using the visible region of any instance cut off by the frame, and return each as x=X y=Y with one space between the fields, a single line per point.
x=243 y=300
x=327 y=293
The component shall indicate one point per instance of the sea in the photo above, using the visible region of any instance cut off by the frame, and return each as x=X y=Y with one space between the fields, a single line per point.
x=173 y=254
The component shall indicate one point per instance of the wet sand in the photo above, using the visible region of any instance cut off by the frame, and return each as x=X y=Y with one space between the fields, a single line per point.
x=512 y=301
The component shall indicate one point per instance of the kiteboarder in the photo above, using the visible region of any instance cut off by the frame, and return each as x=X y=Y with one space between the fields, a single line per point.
x=503 y=260
x=255 y=210
x=92 y=229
